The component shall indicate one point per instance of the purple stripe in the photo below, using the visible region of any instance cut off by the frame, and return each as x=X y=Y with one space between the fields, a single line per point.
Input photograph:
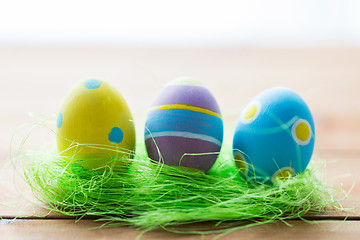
x=187 y=94
x=173 y=148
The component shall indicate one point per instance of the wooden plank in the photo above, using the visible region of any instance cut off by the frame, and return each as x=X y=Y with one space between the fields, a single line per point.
x=37 y=78
x=68 y=229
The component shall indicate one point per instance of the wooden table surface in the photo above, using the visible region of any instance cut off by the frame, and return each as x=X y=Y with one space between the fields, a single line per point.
x=35 y=79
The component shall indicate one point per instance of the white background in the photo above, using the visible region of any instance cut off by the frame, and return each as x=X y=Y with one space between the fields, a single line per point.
x=276 y=23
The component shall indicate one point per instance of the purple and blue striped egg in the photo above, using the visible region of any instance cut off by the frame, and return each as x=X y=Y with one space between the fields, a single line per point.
x=184 y=126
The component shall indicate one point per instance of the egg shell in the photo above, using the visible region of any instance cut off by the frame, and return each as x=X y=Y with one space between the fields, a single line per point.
x=274 y=136
x=184 y=119
x=95 y=113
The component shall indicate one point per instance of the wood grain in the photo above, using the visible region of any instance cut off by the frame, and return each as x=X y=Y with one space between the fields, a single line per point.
x=68 y=229
x=35 y=79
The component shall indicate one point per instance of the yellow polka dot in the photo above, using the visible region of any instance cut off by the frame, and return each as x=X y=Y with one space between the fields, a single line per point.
x=284 y=174
x=240 y=162
x=250 y=112
x=302 y=131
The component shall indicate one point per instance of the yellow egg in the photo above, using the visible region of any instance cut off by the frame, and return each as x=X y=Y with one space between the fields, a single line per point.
x=95 y=125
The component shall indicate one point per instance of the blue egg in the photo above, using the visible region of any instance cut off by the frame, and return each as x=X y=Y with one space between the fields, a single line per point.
x=274 y=136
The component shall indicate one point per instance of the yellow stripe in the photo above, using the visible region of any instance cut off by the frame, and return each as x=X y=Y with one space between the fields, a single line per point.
x=187 y=107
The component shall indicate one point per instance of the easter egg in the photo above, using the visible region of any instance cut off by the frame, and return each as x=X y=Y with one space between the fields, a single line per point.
x=274 y=136
x=95 y=123
x=184 y=126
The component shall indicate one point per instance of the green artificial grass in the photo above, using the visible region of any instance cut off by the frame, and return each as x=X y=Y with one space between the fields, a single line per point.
x=153 y=195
